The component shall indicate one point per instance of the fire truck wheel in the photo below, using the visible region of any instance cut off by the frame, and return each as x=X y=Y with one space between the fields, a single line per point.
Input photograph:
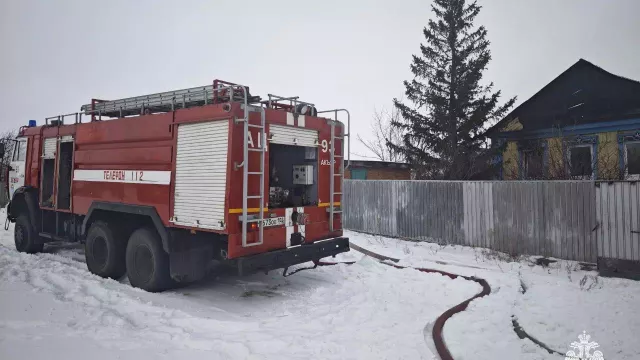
x=25 y=237
x=104 y=251
x=147 y=262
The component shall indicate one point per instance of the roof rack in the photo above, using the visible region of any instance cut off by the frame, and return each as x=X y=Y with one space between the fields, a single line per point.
x=166 y=101
x=294 y=105
x=221 y=91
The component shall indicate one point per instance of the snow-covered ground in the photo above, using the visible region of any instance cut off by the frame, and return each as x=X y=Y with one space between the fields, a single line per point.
x=52 y=307
x=560 y=302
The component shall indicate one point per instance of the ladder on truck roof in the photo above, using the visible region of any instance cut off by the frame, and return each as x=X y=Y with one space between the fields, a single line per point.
x=170 y=100
x=332 y=208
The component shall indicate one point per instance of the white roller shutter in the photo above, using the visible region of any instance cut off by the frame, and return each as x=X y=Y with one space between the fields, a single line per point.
x=289 y=135
x=49 y=148
x=201 y=174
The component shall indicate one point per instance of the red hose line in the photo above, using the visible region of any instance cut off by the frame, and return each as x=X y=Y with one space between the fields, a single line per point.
x=438 y=326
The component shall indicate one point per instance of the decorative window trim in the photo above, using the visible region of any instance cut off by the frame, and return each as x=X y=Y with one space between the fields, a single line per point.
x=626 y=160
x=542 y=144
x=629 y=136
x=624 y=139
x=498 y=159
x=593 y=166
x=583 y=141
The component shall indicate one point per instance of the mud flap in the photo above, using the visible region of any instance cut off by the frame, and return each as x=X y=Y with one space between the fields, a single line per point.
x=189 y=257
x=189 y=265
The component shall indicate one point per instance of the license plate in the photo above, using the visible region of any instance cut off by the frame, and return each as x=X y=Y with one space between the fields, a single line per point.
x=273 y=221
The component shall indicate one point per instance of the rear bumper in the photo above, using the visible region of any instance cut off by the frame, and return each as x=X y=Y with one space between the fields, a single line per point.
x=291 y=256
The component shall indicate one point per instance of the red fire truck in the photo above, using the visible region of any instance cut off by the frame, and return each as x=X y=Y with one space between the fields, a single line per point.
x=158 y=186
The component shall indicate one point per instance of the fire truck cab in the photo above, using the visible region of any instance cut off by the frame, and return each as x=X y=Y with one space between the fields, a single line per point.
x=158 y=186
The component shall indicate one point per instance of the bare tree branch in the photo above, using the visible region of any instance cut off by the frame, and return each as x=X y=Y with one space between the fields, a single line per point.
x=366 y=156
x=7 y=139
x=383 y=134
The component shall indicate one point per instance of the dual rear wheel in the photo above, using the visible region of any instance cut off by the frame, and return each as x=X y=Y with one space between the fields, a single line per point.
x=110 y=254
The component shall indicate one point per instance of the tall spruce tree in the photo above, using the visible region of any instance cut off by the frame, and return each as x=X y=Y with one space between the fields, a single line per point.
x=444 y=130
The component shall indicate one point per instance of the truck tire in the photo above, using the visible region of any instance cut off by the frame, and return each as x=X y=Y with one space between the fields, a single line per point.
x=147 y=262
x=104 y=251
x=25 y=236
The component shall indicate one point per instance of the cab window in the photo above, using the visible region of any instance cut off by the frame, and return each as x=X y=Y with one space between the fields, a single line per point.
x=20 y=152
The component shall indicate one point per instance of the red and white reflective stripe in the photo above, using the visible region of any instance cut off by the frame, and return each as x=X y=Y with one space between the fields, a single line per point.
x=301 y=228
x=124 y=176
x=289 y=224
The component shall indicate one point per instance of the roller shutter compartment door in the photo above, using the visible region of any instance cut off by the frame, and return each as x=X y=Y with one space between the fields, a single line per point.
x=201 y=174
x=289 y=135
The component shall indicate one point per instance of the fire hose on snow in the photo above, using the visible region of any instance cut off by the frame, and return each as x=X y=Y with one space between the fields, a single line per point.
x=438 y=326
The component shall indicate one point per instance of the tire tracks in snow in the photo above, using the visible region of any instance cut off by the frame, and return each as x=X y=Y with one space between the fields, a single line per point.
x=69 y=281
x=121 y=312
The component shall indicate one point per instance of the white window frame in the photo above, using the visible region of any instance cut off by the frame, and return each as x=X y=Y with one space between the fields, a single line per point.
x=16 y=151
x=626 y=162
x=20 y=144
x=593 y=166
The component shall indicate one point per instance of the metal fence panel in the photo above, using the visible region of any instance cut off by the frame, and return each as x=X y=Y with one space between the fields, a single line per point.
x=549 y=218
x=618 y=218
x=478 y=214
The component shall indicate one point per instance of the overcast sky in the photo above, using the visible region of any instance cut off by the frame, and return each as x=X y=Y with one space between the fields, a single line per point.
x=56 y=55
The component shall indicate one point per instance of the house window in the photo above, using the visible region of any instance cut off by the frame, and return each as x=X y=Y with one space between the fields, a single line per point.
x=533 y=164
x=632 y=159
x=359 y=174
x=581 y=161
x=532 y=159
